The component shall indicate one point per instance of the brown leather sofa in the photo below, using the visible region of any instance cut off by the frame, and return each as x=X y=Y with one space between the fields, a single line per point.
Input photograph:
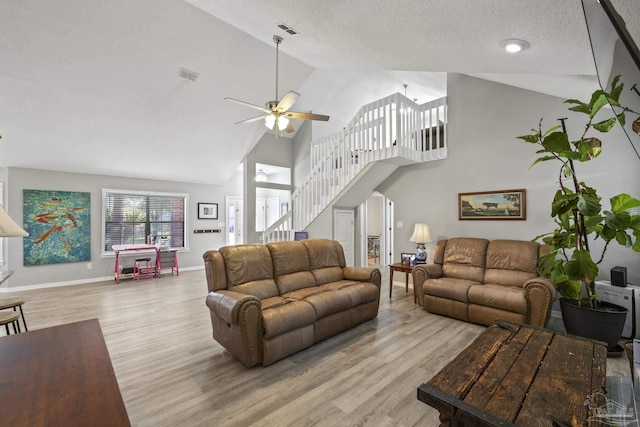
x=269 y=301
x=478 y=281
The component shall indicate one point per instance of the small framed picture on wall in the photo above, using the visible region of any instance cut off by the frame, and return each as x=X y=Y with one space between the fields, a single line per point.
x=207 y=211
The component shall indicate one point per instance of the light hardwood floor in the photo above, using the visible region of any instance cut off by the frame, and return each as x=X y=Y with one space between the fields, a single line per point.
x=172 y=373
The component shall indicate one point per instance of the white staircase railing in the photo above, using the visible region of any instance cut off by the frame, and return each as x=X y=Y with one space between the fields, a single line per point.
x=392 y=127
x=280 y=230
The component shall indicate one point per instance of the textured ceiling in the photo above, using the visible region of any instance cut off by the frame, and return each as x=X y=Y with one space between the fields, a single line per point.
x=93 y=86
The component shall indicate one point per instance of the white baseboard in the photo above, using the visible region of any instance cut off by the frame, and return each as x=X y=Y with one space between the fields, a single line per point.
x=77 y=282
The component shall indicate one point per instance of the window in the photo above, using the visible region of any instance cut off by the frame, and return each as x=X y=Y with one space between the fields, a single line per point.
x=131 y=217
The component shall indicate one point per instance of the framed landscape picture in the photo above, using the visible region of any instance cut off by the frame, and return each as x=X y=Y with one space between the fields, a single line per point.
x=500 y=204
x=207 y=211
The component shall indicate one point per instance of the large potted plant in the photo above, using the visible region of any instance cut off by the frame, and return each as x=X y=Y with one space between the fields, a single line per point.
x=580 y=219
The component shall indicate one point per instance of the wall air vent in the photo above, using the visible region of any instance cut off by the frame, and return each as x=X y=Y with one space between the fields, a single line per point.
x=287 y=28
x=188 y=74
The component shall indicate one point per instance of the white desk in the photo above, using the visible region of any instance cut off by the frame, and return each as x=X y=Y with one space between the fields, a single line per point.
x=135 y=249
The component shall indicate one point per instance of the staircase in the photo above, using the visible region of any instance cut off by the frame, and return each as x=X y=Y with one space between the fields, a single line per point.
x=347 y=166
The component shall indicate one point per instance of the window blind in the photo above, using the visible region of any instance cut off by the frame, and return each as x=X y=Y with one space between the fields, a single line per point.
x=137 y=218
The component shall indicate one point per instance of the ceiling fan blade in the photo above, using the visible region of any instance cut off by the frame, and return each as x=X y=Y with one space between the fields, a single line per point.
x=257 y=107
x=251 y=120
x=289 y=128
x=288 y=101
x=306 y=116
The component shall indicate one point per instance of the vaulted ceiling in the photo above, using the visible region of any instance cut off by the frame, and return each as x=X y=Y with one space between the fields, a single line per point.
x=93 y=86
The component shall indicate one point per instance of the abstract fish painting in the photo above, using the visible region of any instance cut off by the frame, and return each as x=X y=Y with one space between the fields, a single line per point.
x=59 y=226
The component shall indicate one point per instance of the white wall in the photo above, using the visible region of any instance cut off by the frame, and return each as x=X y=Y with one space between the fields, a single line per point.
x=19 y=179
x=484 y=154
x=271 y=150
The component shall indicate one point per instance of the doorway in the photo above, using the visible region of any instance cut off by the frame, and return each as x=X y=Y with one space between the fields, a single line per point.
x=377 y=235
x=344 y=232
x=234 y=211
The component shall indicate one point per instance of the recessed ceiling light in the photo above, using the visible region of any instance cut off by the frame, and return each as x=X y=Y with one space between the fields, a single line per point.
x=514 y=45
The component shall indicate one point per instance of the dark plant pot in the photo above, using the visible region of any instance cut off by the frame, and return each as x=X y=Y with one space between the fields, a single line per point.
x=604 y=323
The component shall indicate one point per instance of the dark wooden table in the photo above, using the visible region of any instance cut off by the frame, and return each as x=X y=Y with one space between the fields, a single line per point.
x=518 y=375
x=59 y=376
x=406 y=268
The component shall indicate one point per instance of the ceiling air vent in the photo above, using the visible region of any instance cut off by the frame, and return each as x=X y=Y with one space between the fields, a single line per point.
x=188 y=74
x=287 y=28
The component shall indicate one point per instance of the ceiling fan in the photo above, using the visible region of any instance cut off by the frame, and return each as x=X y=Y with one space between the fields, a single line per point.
x=276 y=113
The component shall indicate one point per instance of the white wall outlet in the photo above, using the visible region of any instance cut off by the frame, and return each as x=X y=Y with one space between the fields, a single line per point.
x=399 y=224
x=89 y=266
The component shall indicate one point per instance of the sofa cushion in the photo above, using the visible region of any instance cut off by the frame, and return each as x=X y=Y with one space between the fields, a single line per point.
x=327 y=260
x=450 y=288
x=284 y=318
x=249 y=270
x=329 y=302
x=291 y=266
x=464 y=258
x=361 y=293
x=509 y=298
x=511 y=262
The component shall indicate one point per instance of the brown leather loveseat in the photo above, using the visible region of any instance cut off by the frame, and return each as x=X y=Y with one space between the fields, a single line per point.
x=478 y=281
x=269 y=301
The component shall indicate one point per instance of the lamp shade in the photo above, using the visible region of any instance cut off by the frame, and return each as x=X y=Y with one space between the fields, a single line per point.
x=8 y=228
x=421 y=234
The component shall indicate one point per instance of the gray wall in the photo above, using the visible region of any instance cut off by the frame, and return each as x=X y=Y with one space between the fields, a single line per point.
x=19 y=179
x=271 y=150
x=484 y=119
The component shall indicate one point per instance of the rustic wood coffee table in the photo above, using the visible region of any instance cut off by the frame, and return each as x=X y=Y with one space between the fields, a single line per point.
x=60 y=376
x=519 y=375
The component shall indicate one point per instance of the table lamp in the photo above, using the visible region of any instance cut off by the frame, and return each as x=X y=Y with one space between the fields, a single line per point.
x=421 y=235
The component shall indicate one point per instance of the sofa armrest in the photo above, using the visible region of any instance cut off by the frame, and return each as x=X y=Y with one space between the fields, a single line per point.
x=229 y=305
x=422 y=272
x=540 y=294
x=236 y=319
x=363 y=274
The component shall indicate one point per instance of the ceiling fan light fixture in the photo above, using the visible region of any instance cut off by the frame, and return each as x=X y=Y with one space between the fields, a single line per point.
x=270 y=121
x=514 y=45
x=283 y=122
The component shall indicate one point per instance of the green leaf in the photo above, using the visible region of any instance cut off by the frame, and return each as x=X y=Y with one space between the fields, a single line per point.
x=634 y=223
x=570 y=154
x=616 y=89
x=581 y=267
x=548 y=131
x=581 y=108
x=541 y=159
x=563 y=203
x=587 y=151
x=556 y=142
x=605 y=125
x=588 y=205
x=623 y=239
x=569 y=288
x=607 y=233
x=623 y=202
x=546 y=264
x=621 y=118
x=617 y=221
x=530 y=138
x=597 y=102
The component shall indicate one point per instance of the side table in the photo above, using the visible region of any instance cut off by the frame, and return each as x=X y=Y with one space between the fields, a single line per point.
x=406 y=268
